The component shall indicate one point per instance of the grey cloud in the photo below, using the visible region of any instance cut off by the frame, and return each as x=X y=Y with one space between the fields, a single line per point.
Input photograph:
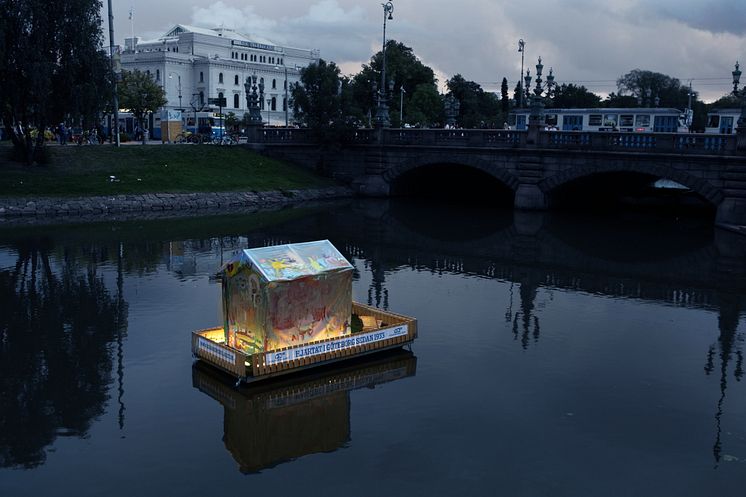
x=724 y=16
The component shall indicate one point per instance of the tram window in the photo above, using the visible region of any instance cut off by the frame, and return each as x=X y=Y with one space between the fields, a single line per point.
x=551 y=120
x=713 y=122
x=643 y=121
x=610 y=119
x=626 y=120
x=594 y=120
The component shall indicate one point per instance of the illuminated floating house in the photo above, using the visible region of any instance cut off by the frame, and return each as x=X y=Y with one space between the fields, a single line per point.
x=290 y=306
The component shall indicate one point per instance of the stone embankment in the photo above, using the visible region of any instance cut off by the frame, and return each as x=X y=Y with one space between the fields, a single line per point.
x=101 y=206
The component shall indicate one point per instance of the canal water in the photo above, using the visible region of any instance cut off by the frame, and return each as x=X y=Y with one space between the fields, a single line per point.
x=560 y=355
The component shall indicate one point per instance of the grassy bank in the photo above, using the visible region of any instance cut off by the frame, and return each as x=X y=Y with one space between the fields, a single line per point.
x=87 y=170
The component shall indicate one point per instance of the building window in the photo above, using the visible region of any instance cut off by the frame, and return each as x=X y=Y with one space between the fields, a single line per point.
x=157 y=74
x=261 y=81
x=284 y=104
x=235 y=79
x=285 y=85
x=261 y=103
x=274 y=103
x=274 y=84
x=220 y=78
x=202 y=97
x=236 y=101
x=201 y=77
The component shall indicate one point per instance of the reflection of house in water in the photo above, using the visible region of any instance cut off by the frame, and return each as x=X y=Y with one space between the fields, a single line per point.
x=278 y=421
x=192 y=257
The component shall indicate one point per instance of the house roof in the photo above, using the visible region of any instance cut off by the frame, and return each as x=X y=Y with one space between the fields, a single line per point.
x=290 y=262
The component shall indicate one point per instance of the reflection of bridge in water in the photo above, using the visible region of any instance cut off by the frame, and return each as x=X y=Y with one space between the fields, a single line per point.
x=281 y=420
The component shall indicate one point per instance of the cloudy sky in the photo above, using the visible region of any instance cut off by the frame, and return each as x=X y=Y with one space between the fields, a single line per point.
x=590 y=42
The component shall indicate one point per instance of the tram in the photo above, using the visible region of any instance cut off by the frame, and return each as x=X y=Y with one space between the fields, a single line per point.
x=722 y=121
x=203 y=122
x=638 y=120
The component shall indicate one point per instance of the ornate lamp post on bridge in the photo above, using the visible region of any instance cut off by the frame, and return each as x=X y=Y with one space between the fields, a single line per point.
x=522 y=49
x=741 y=127
x=252 y=102
x=382 y=108
x=452 y=107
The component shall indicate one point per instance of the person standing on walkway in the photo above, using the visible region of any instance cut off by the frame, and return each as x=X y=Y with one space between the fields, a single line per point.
x=62 y=134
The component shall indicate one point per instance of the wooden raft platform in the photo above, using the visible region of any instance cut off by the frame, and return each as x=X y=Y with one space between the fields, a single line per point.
x=394 y=331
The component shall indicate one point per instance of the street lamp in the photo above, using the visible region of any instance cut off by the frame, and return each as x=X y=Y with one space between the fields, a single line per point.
x=742 y=97
x=401 y=106
x=171 y=76
x=382 y=112
x=522 y=49
x=736 y=78
x=452 y=107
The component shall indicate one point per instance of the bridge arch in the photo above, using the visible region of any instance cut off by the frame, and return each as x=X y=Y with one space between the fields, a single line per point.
x=497 y=171
x=697 y=185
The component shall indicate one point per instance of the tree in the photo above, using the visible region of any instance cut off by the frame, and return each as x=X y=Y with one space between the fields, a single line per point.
x=570 y=96
x=617 y=101
x=504 y=99
x=478 y=108
x=645 y=86
x=52 y=67
x=517 y=95
x=404 y=69
x=316 y=98
x=232 y=122
x=139 y=93
x=425 y=106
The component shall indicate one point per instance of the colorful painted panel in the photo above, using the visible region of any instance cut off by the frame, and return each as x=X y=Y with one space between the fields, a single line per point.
x=287 y=295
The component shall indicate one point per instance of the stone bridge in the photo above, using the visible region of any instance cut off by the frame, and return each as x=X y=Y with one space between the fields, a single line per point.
x=533 y=165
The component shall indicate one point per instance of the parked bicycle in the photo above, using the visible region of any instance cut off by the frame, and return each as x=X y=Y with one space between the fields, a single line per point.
x=222 y=140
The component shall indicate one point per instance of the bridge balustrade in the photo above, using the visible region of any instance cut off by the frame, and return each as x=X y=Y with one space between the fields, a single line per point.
x=455 y=137
x=648 y=142
x=285 y=135
x=499 y=138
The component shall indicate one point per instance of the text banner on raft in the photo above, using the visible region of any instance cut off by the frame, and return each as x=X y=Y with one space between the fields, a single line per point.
x=338 y=344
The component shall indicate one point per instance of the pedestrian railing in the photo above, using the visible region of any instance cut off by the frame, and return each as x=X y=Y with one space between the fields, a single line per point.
x=498 y=138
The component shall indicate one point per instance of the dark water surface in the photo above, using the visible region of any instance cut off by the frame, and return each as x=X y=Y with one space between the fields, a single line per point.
x=558 y=355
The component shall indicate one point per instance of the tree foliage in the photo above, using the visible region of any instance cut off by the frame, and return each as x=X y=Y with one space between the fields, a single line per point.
x=139 y=93
x=504 y=98
x=645 y=86
x=405 y=70
x=570 y=96
x=478 y=108
x=317 y=100
x=52 y=67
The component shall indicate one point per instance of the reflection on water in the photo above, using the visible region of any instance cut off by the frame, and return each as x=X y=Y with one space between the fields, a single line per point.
x=543 y=294
x=267 y=424
x=59 y=324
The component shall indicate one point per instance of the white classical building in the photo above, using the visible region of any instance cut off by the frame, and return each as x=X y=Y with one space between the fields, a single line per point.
x=195 y=64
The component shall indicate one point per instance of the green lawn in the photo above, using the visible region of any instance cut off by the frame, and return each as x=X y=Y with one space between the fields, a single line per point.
x=87 y=170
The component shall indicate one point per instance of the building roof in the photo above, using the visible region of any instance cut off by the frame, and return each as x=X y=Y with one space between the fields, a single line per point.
x=221 y=31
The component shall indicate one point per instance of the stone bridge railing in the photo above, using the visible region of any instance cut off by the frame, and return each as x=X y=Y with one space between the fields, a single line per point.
x=497 y=138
